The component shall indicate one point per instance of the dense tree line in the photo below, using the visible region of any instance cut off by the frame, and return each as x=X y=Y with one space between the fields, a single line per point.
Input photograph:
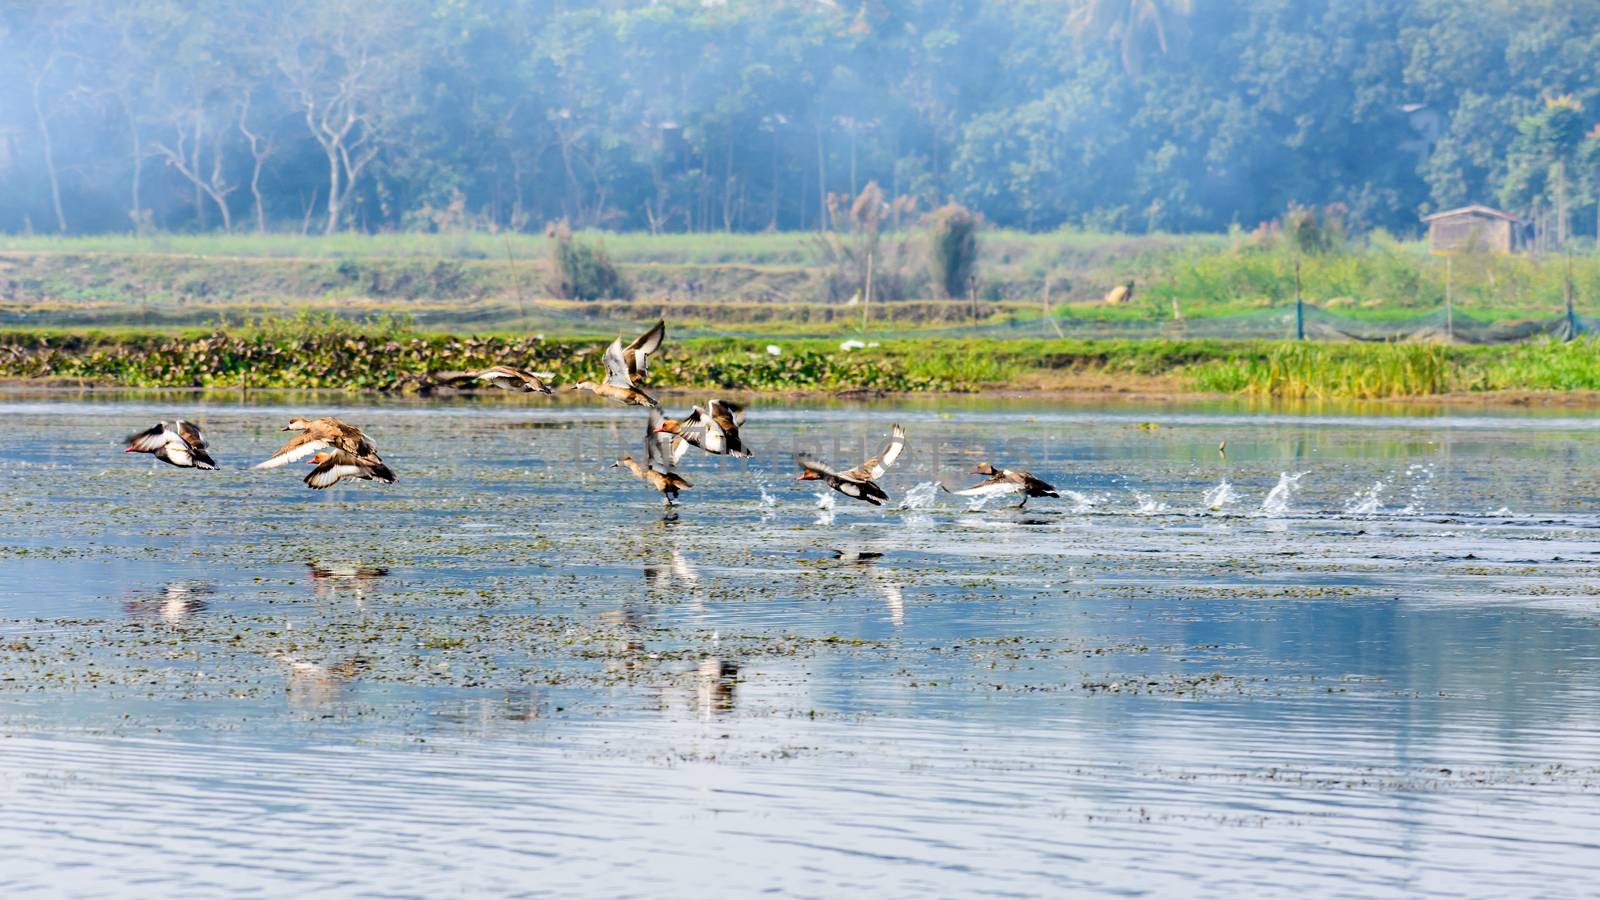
x=323 y=115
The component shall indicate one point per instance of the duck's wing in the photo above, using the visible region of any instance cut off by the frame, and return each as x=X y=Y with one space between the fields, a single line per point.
x=192 y=435
x=152 y=439
x=728 y=418
x=337 y=467
x=658 y=445
x=299 y=447
x=616 y=366
x=989 y=487
x=873 y=469
x=810 y=464
x=637 y=354
x=729 y=415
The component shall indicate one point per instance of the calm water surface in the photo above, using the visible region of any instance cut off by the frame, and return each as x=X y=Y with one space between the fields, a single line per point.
x=1359 y=655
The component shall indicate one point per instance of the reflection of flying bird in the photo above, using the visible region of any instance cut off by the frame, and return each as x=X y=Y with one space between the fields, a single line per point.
x=179 y=601
x=626 y=368
x=893 y=598
x=318 y=685
x=340 y=571
x=714 y=429
x=326 y=433
x=860 y=483
x=333 y=466
x=180 y=444
x=507 y=378
x=1006 y=481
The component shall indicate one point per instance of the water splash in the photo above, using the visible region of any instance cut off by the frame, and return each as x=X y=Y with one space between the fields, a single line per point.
x=1420 y=476
x=825 y=500
x=768 y=501
x=1218 y=498
x=1148 y=505
x=1081 y=503
x=1367 y=502
x=923 y=496
x=1277 y=501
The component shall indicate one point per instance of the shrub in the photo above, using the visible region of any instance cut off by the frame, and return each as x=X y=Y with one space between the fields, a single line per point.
x=953 y=230
x=581 y=270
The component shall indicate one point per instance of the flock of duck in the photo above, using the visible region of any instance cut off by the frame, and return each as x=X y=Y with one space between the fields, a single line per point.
x=340 y=450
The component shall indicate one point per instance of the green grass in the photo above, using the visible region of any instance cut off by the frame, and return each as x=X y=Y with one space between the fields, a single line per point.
x=772 y=284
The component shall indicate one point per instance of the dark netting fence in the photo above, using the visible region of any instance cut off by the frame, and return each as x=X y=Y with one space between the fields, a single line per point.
x=1309 y=322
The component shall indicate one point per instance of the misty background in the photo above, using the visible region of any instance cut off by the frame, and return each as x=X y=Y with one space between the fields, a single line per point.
x=1131 y=115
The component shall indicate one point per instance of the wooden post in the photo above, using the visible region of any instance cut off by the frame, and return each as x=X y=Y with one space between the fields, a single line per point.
x=866 y=298
x=1449 y=300
x=1049 y=314
x=516 y=280
x=1299 y=304
x=972 y=296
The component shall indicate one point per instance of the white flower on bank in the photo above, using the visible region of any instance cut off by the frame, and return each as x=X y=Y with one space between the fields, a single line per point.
x=774 y=350
x=852 y=344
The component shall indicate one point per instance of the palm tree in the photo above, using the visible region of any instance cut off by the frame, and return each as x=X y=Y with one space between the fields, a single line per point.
x=1128 y=22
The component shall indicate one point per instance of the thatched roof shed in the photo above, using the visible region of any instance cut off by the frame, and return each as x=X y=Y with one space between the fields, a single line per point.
x=1474 y=229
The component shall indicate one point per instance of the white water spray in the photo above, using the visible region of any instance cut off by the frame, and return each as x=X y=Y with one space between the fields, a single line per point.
x=1218 y=498
x=1277 y=502
x=923 y=496
x=1367 y=502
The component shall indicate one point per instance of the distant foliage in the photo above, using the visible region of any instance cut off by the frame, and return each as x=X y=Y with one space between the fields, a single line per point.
x=953 y=248
x=861 y=235
x=692 y=116
x=582 y=270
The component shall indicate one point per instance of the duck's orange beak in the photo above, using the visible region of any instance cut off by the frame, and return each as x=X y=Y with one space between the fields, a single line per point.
x=807 y=476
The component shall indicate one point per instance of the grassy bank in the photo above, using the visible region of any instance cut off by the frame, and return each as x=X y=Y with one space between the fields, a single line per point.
x=389 y=355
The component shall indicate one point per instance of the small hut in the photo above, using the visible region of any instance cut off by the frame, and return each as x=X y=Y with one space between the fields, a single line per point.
x=1473 y=229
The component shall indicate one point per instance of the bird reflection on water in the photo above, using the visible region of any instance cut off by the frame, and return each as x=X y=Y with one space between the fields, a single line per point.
x=177 y=602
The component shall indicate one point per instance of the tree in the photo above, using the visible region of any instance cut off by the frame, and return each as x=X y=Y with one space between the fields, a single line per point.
x=1130 y=24
x=339 y=60
x=1542 y=160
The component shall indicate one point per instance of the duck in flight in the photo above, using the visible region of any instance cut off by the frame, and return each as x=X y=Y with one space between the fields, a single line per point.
x=333 y=466
x=326 y=433
x=657 y=470
x=714 y=429
x=626 y=368
x=860 y=483
x=508 y=378
x=1006 y=481
x=181 y=444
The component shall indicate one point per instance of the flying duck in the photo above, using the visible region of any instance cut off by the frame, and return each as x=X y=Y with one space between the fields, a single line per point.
x=320 y=434
x=716 y=431
x=180 y=444
x=657 y=469
x=668 y=483
x=1006 y=481
x=507 y=378
x=333 y=466
x=860 y=483
x=626 y=368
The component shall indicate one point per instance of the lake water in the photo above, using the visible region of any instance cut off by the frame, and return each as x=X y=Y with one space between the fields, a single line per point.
x=1359 y=654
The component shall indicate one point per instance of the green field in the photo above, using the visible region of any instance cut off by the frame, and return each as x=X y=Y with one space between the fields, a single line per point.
x=759 y=285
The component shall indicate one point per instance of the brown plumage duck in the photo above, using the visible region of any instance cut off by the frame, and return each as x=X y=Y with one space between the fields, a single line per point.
x=507 y=378
x=860 y=483
x=1006 y=481
x=333 y=466
x=714 y=429
x=326 y=433
x=624 y=367
x=668 y=483
x=180 y=444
